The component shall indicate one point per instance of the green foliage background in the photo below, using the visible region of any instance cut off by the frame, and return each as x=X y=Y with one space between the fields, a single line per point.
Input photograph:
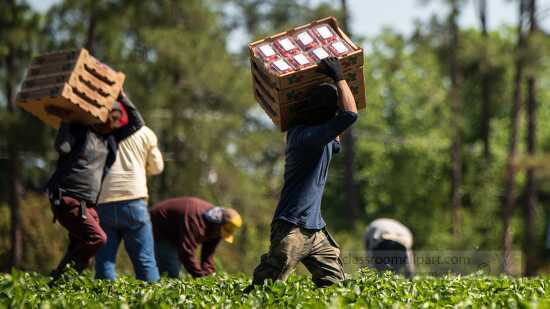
x=196 y=95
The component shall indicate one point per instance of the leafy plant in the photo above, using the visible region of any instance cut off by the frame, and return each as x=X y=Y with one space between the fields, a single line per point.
x=365 y=289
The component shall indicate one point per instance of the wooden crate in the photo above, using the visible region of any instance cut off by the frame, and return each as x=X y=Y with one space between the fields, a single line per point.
x=287 y=106
x=63 y=101
x=74 y=78
x=75 y=62
x=69 y=85
x=284 y=96
x=296 y=78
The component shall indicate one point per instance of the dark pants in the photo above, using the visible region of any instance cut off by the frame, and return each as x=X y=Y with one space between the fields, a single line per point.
x=167 y=258
x=85 y=234
x=127 y=221
x=291 y=244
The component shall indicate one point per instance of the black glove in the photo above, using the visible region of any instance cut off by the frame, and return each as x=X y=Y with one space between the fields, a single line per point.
x=331 y=68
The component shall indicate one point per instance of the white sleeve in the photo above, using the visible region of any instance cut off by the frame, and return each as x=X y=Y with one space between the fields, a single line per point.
x=154 y=162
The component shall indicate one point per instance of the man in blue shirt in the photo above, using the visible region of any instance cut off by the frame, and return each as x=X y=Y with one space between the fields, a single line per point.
x=298 y=231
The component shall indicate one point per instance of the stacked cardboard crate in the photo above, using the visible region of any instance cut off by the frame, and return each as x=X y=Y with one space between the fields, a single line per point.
x=282 y=90
x=70 y=86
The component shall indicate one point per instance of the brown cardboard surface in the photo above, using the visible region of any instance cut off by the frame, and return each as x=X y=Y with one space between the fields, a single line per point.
x=73 y=78
x=58 y=56
x=89 y=95
x=103 y=77
x=69 y=105
x=285 y=113
x=55 y=62
x=353 y=76
x=296 y=78
x=70 y=85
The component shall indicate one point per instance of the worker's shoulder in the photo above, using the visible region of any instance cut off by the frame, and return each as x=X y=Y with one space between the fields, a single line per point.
x=145 y=135
x=182 y=202
x=146 y=131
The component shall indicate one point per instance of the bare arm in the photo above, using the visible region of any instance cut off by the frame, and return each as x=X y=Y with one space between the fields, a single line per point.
x=347 y=101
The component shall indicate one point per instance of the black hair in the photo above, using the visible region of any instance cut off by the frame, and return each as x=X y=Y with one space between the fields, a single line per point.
x=322 y=104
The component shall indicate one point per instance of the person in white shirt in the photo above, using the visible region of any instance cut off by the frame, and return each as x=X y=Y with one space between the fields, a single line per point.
x=389 y=246
x=122 y=206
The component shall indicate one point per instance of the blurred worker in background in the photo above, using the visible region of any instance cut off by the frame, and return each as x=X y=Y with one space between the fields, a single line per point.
x=389 y=246
x=298 y=231
x=86 y=154
x=181 y=224
x=122 y=206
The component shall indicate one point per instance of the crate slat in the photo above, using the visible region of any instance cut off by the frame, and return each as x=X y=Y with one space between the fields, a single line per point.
x=69 y=85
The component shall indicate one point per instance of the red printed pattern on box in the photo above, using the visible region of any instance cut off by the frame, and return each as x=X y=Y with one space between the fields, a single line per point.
x=281 y=66
x=301 y=61
x=319 y=54
x=306 y=41
x=339 y=48
x=302 y=50
x=267 y=53
x=286 y=47
x=324 y=33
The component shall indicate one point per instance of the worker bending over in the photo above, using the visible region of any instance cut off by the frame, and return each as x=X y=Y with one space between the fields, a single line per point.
x=389 y=246
x=181 y=224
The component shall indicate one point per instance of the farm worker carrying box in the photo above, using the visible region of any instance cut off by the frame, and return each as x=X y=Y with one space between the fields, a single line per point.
x=298 y=232
x=75 y=92
x=122 y=207
x=86 y=153
x=181 y=224
x=389 y=246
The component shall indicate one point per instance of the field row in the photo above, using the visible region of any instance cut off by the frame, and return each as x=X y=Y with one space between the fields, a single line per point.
x=366 y=289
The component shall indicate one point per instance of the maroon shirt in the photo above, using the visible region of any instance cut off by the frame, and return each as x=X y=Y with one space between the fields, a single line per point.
x=180 y=221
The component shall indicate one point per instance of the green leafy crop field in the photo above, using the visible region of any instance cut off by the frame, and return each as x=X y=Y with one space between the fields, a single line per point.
x=365 y=289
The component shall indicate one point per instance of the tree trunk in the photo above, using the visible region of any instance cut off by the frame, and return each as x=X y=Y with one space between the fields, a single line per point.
x=456 y=123
x=14 y=177
x=91 y=32
x=353 y=209
x=510 y=180
x=485 y=128
x=530 y=186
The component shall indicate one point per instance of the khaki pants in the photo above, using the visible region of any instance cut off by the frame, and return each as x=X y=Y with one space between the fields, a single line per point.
x=291 y=244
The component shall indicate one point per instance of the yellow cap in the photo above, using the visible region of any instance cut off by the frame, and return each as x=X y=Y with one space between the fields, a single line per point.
x=232 y=223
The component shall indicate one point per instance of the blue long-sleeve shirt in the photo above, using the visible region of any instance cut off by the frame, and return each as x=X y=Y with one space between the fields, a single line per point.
x=308 y=153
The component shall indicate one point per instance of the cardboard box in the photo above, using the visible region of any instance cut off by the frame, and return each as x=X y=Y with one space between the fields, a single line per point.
x=52 y=104
x=287 y=106
x=354 y=77
x=296 y=78
x=284 y=96
x=73 y=78
x=70 y=86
